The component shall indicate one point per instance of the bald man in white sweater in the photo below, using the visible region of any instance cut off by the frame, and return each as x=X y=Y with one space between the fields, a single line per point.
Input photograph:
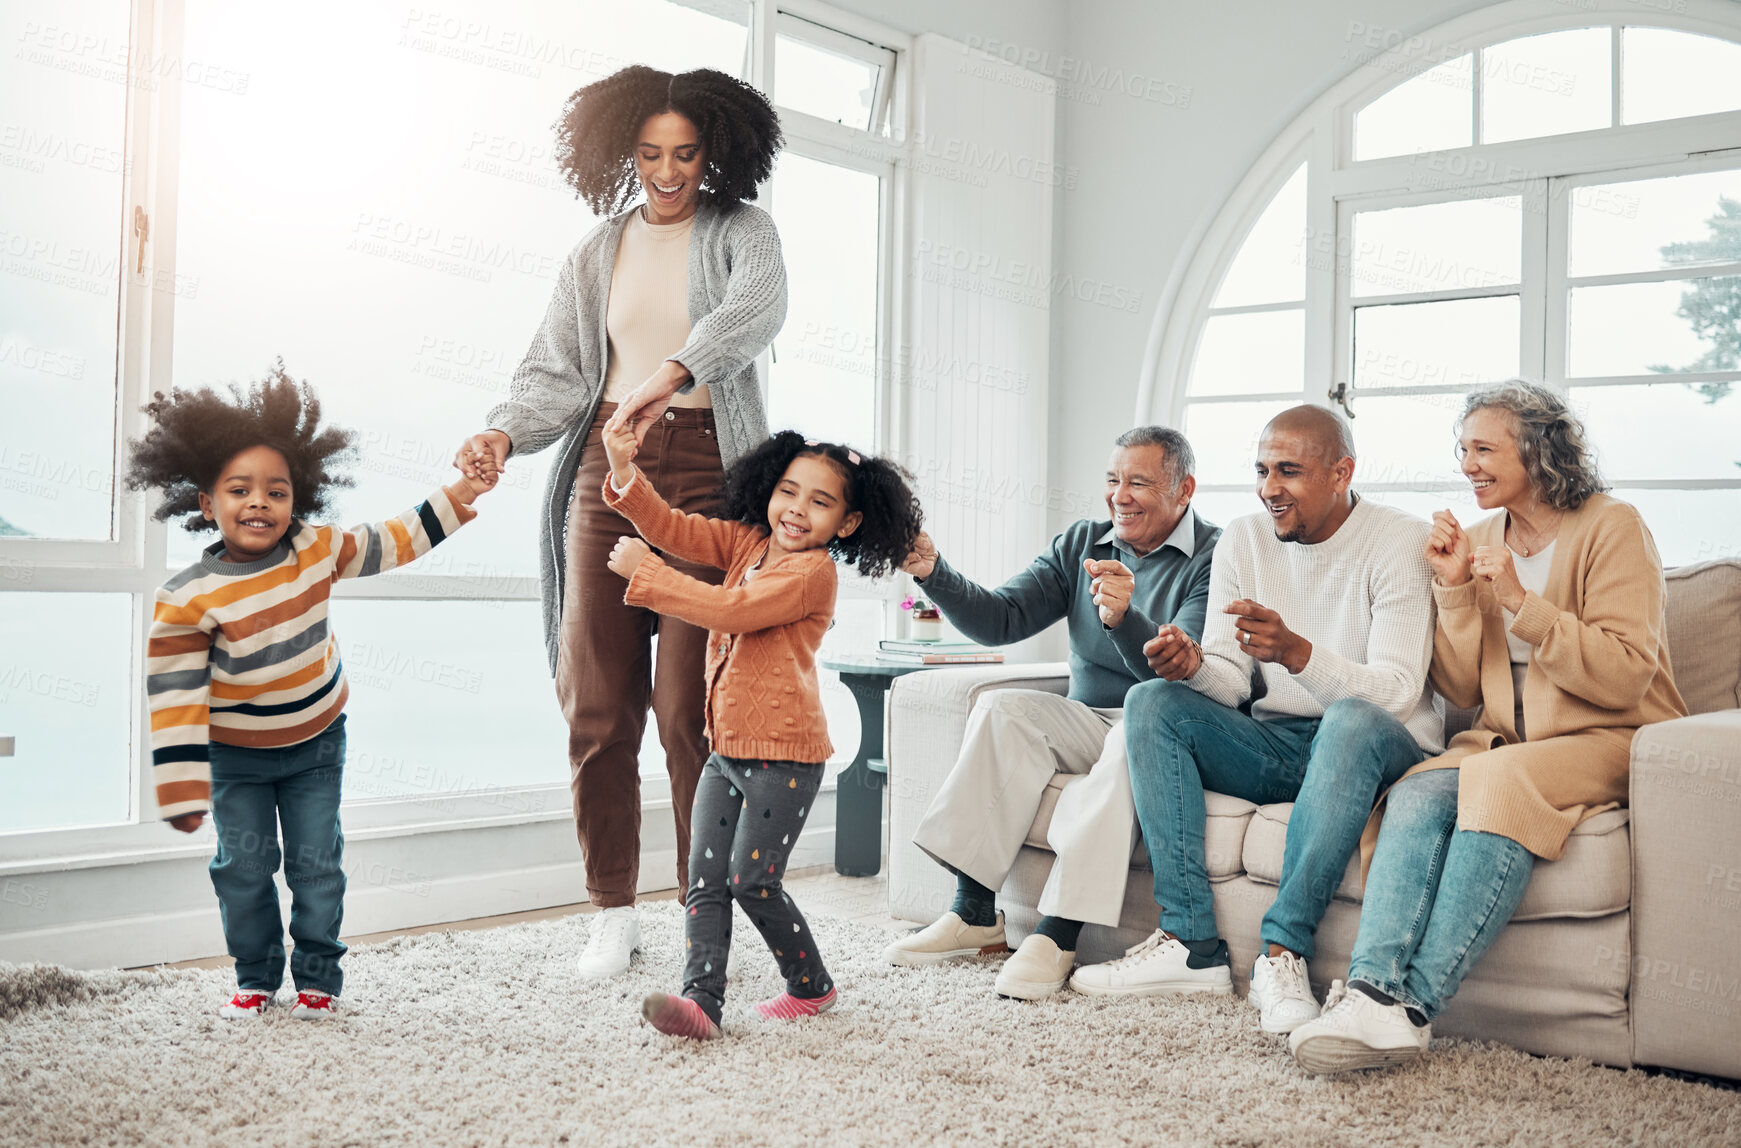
x=1328 y=597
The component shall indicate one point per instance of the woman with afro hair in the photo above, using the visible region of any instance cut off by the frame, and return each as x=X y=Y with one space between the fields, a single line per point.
x=655 y=325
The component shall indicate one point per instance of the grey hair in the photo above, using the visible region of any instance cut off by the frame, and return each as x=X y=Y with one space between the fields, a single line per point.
x=1181 y=459
x=1551 y=440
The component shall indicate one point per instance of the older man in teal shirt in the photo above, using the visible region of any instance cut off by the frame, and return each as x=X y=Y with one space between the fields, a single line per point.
x=1114 y=582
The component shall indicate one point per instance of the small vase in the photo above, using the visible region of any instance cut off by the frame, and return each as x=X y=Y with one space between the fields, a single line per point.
x=927 y=628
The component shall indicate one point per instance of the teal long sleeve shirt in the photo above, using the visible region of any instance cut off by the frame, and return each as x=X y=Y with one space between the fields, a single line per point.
x=1172 y=585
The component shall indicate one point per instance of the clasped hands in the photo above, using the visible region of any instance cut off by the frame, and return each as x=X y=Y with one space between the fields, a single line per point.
x=1261 y=633
x=1454 y=561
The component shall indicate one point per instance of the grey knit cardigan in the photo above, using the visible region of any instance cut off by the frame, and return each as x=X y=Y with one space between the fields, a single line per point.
x=737 y=303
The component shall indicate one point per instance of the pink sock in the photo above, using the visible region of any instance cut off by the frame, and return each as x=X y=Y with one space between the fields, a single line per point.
x=788 y=1007
x=678 y=1016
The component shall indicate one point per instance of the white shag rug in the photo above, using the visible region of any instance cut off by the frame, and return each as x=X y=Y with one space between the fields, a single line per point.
x=490 y=1037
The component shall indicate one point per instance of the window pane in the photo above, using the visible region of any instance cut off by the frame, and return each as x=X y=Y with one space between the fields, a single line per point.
x=447 y=697
x=1260 y=353
x=1545 y=85
x=1454 y=342
x=1271 y=265
x=1423 y=504
x=823 y=381
x=831 y=86
x=63 y=111
x=1437 y=246
x=1689 y=525
x=1647 y=224
x=1406 y=439
x=1428 y=113
x=1663 y=430
x=1224 y=438
x=1646 y=328
x=1223 y=506
x=384 y=211
x=1666 y=74
x=66 y=696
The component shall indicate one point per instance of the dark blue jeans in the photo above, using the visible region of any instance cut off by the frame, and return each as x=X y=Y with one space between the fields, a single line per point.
x=1332 y=768
x=253 y=792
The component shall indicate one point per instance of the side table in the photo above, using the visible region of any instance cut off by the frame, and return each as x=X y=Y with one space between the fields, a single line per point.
x=858 y=800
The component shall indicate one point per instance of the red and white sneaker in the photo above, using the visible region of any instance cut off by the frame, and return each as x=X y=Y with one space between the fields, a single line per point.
x=247 y=1004
x=314 y=1006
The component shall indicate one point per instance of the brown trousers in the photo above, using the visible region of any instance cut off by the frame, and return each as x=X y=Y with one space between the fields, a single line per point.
x=606 y=672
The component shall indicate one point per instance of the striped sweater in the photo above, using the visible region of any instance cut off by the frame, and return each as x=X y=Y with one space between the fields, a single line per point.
x=241 y=652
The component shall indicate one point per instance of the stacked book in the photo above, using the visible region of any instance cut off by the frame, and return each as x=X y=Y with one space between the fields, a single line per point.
x=916 y=653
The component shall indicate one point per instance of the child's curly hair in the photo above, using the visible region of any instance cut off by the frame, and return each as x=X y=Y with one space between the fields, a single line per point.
x=601 y=124
x=876 y=488
x=195 y=432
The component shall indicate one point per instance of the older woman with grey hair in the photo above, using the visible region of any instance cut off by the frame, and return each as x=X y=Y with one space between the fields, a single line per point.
x=1550 y=617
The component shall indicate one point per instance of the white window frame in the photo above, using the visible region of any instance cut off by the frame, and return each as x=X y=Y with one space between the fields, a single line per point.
x=134 y=561
x=1322 y=135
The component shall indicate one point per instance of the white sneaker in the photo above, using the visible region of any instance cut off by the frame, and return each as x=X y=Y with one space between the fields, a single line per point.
x=1038 y=969
x=1281 y=993
x=945 y=939
x=1356 y=1031
x=616 y=934
x=1159 y=964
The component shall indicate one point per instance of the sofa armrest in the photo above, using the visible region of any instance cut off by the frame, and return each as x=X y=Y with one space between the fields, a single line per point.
x=1686 y=893
x=927 y=718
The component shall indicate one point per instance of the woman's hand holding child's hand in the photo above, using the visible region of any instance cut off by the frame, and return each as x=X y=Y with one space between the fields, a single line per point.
x=188 y=822
x=620 y=449
x=628 y=554
x=479 y=469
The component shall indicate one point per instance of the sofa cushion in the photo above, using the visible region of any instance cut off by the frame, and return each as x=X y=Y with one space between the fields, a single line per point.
x=1223 y=835
x=1704 y=633
x=1592 y=878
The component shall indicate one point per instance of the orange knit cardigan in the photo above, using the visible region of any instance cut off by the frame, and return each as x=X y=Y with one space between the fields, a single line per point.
x=763 y=701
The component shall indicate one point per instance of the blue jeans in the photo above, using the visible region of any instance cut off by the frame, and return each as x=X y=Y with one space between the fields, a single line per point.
x=1332 y=768
x=1436 y=896
x=253 y=790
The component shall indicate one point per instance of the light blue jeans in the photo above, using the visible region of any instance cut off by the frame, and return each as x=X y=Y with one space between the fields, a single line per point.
x=1436 y=896
x=1332 y=768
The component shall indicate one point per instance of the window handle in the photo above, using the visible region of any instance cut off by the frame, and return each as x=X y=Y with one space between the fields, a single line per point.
x=1340 y=395
x=142 y=229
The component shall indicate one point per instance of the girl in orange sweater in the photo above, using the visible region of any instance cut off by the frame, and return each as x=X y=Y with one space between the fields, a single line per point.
x=792 y=508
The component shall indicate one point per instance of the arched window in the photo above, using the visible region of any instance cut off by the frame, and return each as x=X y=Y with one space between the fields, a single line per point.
x=1554 y=197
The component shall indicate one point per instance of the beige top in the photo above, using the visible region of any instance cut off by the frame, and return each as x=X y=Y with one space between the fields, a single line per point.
x=647 y=317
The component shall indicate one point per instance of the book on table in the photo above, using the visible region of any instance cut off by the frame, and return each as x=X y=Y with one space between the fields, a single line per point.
x=936 y=653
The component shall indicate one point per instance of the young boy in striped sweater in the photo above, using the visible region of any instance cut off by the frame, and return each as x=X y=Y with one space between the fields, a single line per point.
x=246 y=688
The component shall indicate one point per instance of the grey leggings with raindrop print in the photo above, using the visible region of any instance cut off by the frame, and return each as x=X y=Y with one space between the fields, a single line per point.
x=745 y=824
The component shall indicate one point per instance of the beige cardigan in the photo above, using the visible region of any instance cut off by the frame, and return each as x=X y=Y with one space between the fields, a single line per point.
x=1600 y=670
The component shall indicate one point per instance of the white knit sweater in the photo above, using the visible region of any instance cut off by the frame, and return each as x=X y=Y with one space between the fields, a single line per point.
x=1362 y=597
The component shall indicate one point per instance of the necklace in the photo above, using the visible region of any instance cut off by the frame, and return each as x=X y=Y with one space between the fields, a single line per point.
x=1541 y=536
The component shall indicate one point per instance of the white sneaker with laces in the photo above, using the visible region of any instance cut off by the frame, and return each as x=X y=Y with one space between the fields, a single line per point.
x=945 y=939
x=1160 y=964
x=616 y=934
x=1281 y=993
x=1356 y=1032
x=1038 y=969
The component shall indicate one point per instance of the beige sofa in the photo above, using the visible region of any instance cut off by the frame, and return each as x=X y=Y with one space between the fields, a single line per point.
x=1626 y=951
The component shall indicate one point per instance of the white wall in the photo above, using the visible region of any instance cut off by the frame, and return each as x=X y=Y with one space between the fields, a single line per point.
x=1220 y=81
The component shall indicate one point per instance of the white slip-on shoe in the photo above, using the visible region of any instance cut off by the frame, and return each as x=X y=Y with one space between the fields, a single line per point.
x=616 y=934
x=1158 y=965
x=1281 y=993
x=945 y=939
x=1356 y=1032
x=1037 y=969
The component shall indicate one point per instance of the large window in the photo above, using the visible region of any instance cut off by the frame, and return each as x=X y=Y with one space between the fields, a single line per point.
x=1562 y=204
x=197 y=188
